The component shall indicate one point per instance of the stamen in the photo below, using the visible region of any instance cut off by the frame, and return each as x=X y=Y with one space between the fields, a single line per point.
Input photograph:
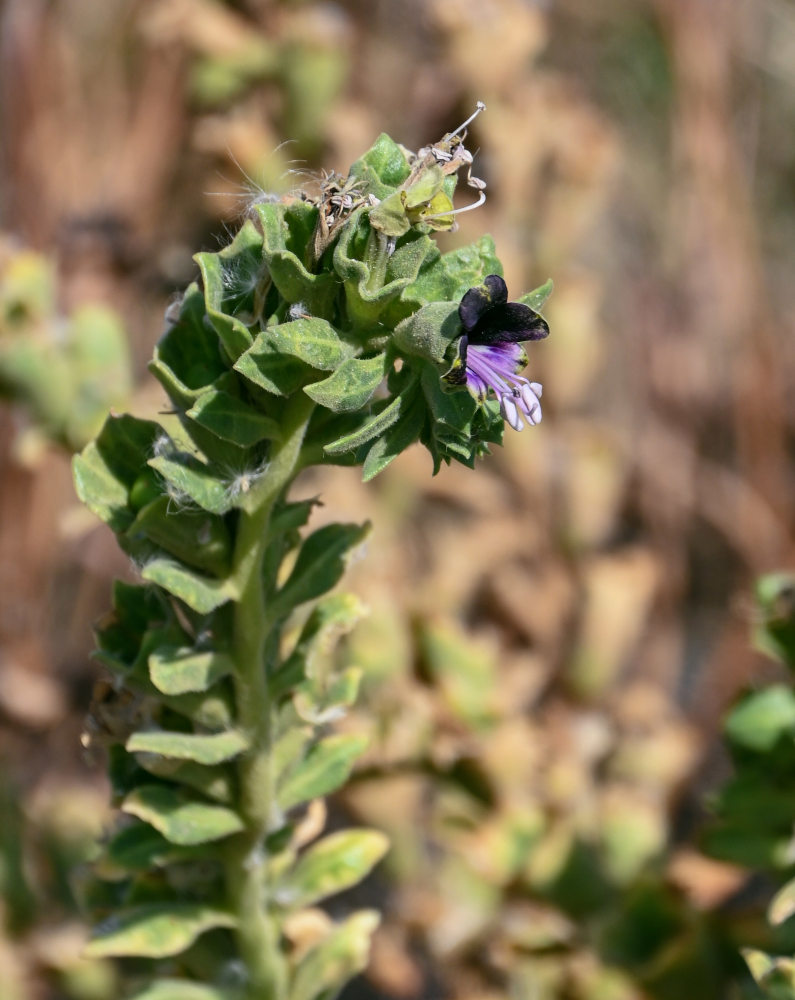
x=457 y=211
x=478 y=108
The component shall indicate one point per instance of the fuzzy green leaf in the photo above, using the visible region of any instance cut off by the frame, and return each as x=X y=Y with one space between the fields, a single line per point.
x=155 y=930
x=199 y=592
x=233 y=420
x=195 y=480
x=447 y=277
x=430 y=332
x=382 y=168
x=335 y=863
x=279 y=374
x=187 y=359
x=351 y=385
x=235 y=280
x=195 y=537
x=325 y=969
x=108 y=467
x=395 y=440
x=365 y=297
x=287 y=238
x=180 y=818
x=177 y=670
x=203 y=748
x=320 y=564
x=326 y=767
x=313 y=341
x=375 y=426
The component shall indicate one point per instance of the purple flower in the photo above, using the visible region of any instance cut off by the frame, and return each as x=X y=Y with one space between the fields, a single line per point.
x=490 y=355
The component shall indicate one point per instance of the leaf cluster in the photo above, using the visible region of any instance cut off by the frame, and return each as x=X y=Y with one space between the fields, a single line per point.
x=755 y=811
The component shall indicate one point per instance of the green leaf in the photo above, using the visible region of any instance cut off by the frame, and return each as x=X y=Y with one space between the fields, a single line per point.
x=331 y=618
x=156 y=930
x=138 y=847
x=315 y=342
x=235 y=280
x=289 y=748
x=465 y=672
x=325 y=767
x=287 y=240
x=321 y=563
x=449 y=276
x=230 y=419
x=382 y=168
x=377 y=424
x=204 y=748
x=194 y=479
x=178 y=670
x=395 y=440
x=198 y=592
x=782 y=906
x=324 y=699
x=108 y=467
x=751 y=848
x=390 y=217
x=212 y=709
x=323 y=971
x=775 y=633
x=187 y=360
x=195 y=537
x=279 y=374
x=335 y=863
x=180 y=818
x=183 y=989
x=430 y=333
x=538 y=296
x=351 y=385
x=214 y=782
x=774 y=974
x=367 y=292
x=762 y=718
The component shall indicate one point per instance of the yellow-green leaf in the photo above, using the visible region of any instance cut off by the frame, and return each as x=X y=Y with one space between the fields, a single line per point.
x=181 y=818
x=156 y=930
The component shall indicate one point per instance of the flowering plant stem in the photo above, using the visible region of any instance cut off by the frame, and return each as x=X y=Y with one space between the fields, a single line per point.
x=226 y=672
x=246 y=857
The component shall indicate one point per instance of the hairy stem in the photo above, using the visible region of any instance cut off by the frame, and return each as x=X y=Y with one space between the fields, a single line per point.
x=377 y=257
x=246 y=857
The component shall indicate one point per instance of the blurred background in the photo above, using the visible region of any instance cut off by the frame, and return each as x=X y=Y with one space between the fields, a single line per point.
x=553 y=638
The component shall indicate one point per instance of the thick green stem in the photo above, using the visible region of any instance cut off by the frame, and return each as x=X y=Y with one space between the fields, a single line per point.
x=246 y=859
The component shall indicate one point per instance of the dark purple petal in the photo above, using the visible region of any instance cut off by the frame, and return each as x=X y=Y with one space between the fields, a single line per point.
x=509 y=323
x=481 y=299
